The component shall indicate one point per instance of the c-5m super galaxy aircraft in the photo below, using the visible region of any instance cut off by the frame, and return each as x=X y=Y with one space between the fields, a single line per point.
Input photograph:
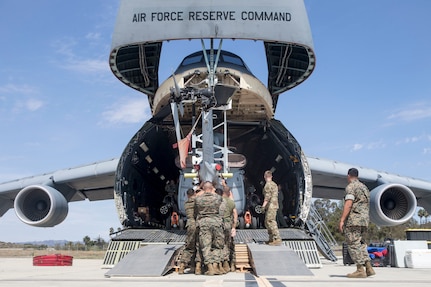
x=211 y=119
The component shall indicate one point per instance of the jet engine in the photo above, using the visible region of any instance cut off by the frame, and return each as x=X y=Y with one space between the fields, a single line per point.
x=392 y=204
x=41 y=206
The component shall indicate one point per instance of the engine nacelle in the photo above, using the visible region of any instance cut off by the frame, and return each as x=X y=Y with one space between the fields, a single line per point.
x=392 y=204
x=41 y=206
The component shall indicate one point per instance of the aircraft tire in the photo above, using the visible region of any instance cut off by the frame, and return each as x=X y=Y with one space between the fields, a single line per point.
x=254 y=222
x=168 y=223
x=241 y=223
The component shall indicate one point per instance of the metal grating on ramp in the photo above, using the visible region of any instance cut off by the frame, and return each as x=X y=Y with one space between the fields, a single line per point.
x=297 y=239
x=307 y=251
x=242 y=235
x=152 y=235
x=117 y=250
x=261 y=235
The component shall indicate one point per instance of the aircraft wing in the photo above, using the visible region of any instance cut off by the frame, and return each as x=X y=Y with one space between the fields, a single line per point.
x=96 y=182
x=330 y=180
x=93 y=182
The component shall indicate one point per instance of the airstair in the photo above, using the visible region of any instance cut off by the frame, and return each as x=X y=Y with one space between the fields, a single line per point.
x=321 y=234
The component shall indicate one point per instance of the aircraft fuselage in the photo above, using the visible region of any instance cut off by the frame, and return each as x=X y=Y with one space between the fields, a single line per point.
x=151 y=185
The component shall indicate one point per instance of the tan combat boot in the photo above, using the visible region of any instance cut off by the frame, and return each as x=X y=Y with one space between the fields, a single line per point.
x=270 y=240
x=198 y=270
x=232 y=267
x=210 y=270
x=182 y=267
x=226 y=266
x=221 y=268
x=276 y=242
x=369 y=269
x=217 y=269
x=359 y=273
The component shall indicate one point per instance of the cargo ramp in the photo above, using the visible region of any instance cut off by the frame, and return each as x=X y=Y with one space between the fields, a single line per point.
x=143 y=252
x=151 y=260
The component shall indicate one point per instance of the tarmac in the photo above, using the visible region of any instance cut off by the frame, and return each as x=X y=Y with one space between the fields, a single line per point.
x=89 y=272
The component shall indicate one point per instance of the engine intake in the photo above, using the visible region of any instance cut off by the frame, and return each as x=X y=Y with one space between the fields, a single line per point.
x=392 y=204
x=41 y=206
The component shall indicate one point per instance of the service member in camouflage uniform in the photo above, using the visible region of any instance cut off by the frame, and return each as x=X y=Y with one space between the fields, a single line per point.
x=270 y=205
x=191 y=254
x=211 y=236
x=354 y=224
x=230 y=219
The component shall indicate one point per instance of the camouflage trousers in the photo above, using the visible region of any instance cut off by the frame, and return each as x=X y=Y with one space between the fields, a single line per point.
x=354 y=236
x=271 y=224
x=191 y=252
x=229 y=245
x=211 y=239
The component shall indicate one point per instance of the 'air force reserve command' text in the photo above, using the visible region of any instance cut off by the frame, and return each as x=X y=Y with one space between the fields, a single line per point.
x=211 y=16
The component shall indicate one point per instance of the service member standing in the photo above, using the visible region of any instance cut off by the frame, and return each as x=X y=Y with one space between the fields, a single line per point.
x=230 y=219
x=354 y=224
x=270 y=205
x=211 y=235
x=190 y=254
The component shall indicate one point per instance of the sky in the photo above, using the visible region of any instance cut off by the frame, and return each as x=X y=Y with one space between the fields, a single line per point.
x=368 y=101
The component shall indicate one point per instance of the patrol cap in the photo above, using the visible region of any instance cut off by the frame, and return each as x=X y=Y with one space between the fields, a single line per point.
x=353 y=172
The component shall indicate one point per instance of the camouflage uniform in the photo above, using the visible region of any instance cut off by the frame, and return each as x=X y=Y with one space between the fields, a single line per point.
x=228 y=206
x=270 y=193
x=356 y=225
x=191 y=245
x=211 y=237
